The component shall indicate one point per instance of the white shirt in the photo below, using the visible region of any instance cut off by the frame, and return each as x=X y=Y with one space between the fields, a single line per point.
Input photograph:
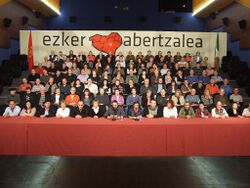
x=168 y=113
x=92 y=88
x=12 y=112
x=222 y=113
x=57 y=99
x=246 y=112
x=123 y=64
x=164 y=71
x=62 y=112
x=96 y=110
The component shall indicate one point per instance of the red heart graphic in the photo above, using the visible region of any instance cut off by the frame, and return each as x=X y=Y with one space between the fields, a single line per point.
x=107 y=44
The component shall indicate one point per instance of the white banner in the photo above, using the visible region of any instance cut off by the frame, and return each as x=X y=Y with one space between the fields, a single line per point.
x=44 y=41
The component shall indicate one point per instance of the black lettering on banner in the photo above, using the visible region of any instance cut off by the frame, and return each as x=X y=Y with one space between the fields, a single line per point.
x=168 y=39
x=154 y=38
x=198 y=44
x=190 y=42
x=135 y=40
x=160 y=40
x=183 y=40
x=177 y=43
x=46 y=40
x=65 y=40
x=146 y=41
x=55 y=41
x=139 y=40
x=74 y=40
x=127 y=42
x=82 y=38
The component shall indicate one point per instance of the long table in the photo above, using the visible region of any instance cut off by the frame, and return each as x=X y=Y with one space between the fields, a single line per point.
x=102 y=137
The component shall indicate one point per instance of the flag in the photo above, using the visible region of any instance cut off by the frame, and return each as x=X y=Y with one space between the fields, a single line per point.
x=30 y=53
x=217 y=57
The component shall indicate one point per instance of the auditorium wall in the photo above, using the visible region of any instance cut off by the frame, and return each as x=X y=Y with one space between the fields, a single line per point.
x=9 y=36
x=90 y=15
x=238 y=39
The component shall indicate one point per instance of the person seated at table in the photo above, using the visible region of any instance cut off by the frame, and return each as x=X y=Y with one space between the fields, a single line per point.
x=28 y=110
x=12 y=110
x=170 y=111
x=235 y=110
x=187 y=111
x=218 y=111
x=178 y=98
x=72 y=99
x=97 y=110
x=115 y=112
x=80 y=111
x=146 y=98
x=162 y=98
x=236 y=97
x=117 y=97
x=135 y=112
x=47 y=110
x=87 y=97
x=152 y=111
x=202 y=112
x=193 y=98
x=102 y=97
x=41 y=97
x=246 y=111
x=63 y=111
x=207 y=99
x=222 y=97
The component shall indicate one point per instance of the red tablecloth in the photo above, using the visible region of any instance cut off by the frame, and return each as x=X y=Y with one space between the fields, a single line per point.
x=102 y=137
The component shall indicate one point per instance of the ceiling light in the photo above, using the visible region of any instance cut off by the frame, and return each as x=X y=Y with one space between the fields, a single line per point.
x=203 y=6
x=52 y=7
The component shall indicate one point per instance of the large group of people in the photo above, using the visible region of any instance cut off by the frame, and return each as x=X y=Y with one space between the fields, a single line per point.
x=118 y=86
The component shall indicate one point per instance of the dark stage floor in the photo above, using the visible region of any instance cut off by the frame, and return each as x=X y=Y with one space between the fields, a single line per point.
x=133 y=172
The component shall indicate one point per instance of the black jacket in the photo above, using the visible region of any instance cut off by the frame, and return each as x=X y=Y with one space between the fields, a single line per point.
x=85 y=112
x=101 y=112
x=41 y=111
x=53 y=98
